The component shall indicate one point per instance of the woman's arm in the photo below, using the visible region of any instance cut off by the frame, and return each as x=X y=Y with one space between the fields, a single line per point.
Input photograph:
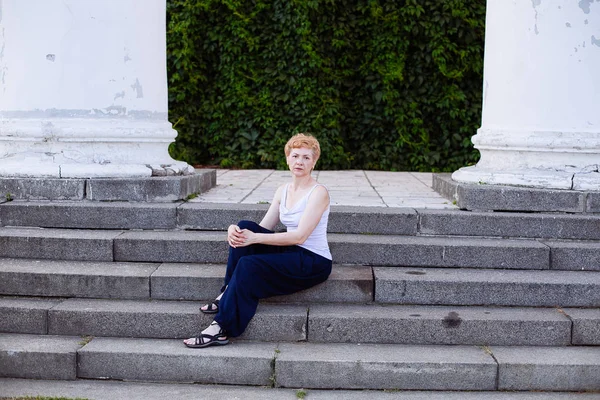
x=317 y=204
x=236 y=236
x=271 y=218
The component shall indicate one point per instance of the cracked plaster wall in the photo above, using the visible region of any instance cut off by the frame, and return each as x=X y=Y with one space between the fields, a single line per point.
x=541 y=65
x=83 y=57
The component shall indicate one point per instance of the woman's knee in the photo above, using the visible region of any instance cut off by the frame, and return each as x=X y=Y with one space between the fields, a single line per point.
x=250 y=225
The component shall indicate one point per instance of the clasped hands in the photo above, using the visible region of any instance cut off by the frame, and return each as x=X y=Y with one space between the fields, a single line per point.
x=237 y=237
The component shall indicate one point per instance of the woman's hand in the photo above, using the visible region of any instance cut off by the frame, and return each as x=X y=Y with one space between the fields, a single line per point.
x=249 y=238
x=235 y=236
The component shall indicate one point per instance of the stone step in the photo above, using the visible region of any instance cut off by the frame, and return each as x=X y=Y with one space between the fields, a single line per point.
x=111 y=390
x=345 y=366
x=509 y=224
x=57 y=244
x=140 y=189
x=343 y=219
x=329 y=323
x=306 y=365
x=453 y=325
x=52 y=278
x=211 y=247
x=38 y=357
x=346 y=284
x=451 y=286
x=167 y=320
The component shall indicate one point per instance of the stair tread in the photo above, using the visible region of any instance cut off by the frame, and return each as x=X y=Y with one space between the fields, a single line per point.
x=317 y=365
x=110 y=390
x=345 y=323
x=217 y=216
x=461 y=286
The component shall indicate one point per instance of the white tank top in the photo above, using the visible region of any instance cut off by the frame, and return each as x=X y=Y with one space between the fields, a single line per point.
x=317 y=241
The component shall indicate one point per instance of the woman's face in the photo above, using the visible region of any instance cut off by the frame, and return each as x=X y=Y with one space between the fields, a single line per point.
x=301 y=161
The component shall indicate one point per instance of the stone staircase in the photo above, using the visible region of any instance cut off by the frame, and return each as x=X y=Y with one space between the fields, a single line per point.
x=419 y=300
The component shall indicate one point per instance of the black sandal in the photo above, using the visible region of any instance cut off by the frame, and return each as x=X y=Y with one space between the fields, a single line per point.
x=211 y=308
x=205 y=340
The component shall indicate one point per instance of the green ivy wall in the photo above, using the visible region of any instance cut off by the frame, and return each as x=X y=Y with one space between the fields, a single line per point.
x=391 y=85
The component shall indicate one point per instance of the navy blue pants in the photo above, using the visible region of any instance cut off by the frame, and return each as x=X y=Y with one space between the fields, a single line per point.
x=258 y=271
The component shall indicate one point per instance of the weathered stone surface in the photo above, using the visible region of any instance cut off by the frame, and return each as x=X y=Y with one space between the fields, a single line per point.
x=502 y=224
x=445 y=186
x=343 y=219
x=167 y=319
x=239 y=363
x=217 y=216
x=28 y=315
x=154 y=189
x=204 y=281
x=586 y=325
x=38 y=357
x=90 y=215
x=384 y=366
x=438 y=325
x=574 y=255
x=508 y=198
x=439 y=251
x=346 y=284
x=211 y=247
x=548 y=368
x=75 y=279
x=487 y=287
x=172 y=246
x=376 y=220
x=181 y=281
x=110 y=390
x=57 y=244
x=42 y=189
x=593 y=202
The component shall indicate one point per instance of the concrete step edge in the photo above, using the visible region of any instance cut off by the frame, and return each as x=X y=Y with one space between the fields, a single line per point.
x=330 y=323
x=343 y=219
x=313 y=365
x=110 y=390
x=197 y=246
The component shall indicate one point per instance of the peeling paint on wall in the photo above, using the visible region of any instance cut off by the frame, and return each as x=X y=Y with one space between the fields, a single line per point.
x=0 y=10
x=585 y=5
x=536 y=3
x=137 y=87
x=568 y=25
x=120 y=95
x=595 y=41
x=50 y=57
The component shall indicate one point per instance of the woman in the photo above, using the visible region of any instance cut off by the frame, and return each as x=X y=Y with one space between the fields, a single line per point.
x=263 y=263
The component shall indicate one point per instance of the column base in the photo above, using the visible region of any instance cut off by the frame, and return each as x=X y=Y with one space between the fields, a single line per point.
x=494 y=197
x=78 y=147
x=33 y=168
x=531 y=178
x=142 y=189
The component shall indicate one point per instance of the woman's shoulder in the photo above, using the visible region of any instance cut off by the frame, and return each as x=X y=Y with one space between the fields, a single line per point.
x=279 y=191
x=320 y=192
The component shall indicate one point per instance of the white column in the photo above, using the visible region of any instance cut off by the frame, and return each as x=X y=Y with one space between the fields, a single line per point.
x=83 y=89
x=541 y=107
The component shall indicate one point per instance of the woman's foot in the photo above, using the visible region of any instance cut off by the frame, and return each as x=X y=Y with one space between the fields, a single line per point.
x=214 y=335
x=212 y=308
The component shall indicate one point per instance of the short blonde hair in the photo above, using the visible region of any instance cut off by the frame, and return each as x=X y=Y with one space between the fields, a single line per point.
x=303 y=140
